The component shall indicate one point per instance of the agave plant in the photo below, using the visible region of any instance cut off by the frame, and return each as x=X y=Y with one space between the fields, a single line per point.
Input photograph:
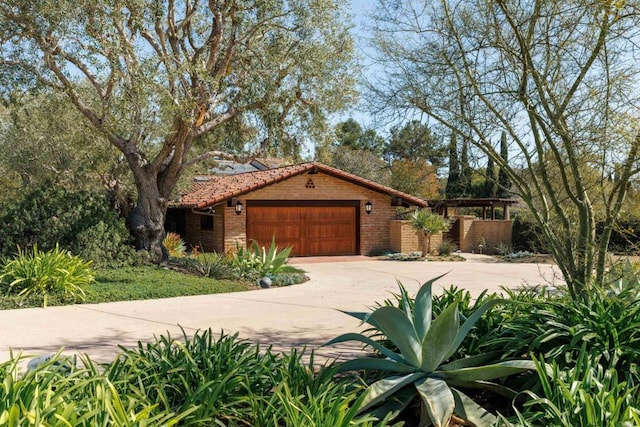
x=420 y=366
x=261 y=261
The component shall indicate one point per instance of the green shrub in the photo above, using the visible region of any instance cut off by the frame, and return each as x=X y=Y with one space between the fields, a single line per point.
x=504 y=249
x=446 y=247
x=108 y=246
x=195 y=381
x=38 y=273
x=226 y=381
x=557 y=327
x=209 y=264
x=81 y=222
x=422 y=366
x=175 y=245
x=526 y=235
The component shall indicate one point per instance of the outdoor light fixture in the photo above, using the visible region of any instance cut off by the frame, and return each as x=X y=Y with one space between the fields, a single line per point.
x=238 y=207
x=368 y=207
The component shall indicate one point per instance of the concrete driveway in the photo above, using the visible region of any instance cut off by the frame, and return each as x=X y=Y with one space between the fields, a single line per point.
x=295 y=316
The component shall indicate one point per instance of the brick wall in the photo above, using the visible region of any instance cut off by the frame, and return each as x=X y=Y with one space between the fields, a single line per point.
x=374 y=228
x=207 y=240
x=490 y=233
x=404 y=238
x=235 y=227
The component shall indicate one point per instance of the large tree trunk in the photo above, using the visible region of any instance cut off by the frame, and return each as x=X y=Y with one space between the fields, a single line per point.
x=146 y=221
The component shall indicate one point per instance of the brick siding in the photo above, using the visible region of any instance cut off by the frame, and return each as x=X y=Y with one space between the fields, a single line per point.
x=374 y=228
x=206 y=240
x=406 y=239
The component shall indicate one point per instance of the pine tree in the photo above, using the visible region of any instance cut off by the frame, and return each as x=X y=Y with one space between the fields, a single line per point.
x=504 y=184
x=453 y=181
x=465 y=169
x=490 y=179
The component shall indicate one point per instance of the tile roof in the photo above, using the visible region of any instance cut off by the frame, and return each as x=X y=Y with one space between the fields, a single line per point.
x=210 y=190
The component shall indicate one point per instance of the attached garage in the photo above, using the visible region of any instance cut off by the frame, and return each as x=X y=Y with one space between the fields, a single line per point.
x=312 y=228
x=313 y=208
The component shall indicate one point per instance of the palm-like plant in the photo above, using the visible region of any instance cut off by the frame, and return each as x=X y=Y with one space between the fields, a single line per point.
x=428 y=223
x=419 y=367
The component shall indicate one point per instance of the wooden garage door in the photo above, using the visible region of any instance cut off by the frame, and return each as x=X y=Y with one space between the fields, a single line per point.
x=311 y=230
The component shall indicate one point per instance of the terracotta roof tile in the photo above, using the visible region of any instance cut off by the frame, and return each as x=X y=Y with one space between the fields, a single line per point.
x=216 y=189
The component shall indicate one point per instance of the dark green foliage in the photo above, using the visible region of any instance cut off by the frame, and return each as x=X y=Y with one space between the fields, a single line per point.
x=78 y=221
x=107 y=245
x=413 y=141
x=625 y=237
x=526 y=235
x=452 y=189
x=466 y=172
x=504 y=184
x=460 y=172
x=557 y=327
x=489 y=179
x=351 y=135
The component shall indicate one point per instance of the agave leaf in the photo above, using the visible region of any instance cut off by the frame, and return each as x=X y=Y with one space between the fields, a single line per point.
x=488 y=372
x=437 y=398
x=437 y=341
x=380 y=390
x=394 y=405
x=362 y=316
x=422 y=308
x=469 y=410
x=485 y=385
x=467 y=362
x=377 y=364
x=469 y=323
x=395 y=325
x=366 y=340
x=404 y=301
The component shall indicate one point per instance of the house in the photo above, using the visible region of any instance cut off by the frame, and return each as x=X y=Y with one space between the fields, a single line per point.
x=316 y=209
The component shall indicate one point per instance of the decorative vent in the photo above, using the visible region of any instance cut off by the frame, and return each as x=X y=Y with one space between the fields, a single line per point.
x=310 y=184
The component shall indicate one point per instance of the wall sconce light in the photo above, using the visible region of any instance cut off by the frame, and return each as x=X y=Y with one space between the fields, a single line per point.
x=368 y=207
x=235 y=204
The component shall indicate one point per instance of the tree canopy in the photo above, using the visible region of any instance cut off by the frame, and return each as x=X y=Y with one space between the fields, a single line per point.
x=156 y=78
x=414 y=140
x=559 y=78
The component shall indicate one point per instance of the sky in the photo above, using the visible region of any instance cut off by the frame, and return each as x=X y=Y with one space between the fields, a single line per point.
x=360 y=9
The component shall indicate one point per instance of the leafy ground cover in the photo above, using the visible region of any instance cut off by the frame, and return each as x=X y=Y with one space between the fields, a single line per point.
x=35 y=278
x=417 y=256
x=569 y=363
x=134 y=283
